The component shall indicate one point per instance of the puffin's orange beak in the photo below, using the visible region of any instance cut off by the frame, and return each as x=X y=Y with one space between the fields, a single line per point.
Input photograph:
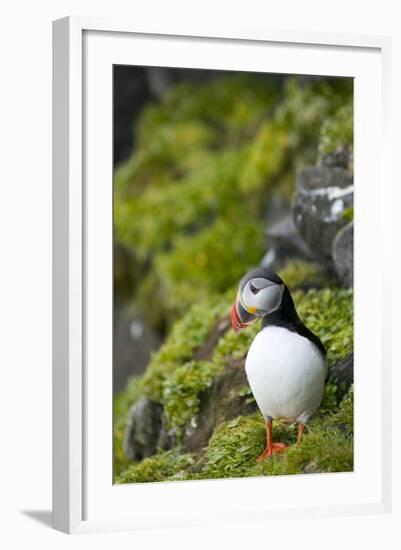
x=236 y=322
x=240 y=317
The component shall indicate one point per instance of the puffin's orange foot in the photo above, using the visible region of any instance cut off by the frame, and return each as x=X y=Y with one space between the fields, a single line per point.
x=273 y=449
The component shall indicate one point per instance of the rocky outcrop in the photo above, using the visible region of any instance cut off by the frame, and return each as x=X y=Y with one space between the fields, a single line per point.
x=284 y=243
x=343 y=254
x=322 y=195
x=228 y=397
x=161 y=79
x=316 y=229
x=192 y=415
x=340 y=158
x=143 y=429
x=342 y=374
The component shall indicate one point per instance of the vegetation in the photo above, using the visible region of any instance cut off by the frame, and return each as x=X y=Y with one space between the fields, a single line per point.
x=187 y=335
x=160 y=467
x=121 y=406
x=337 y=131
x=176 y=381
x=208 y=162
x=326 y=447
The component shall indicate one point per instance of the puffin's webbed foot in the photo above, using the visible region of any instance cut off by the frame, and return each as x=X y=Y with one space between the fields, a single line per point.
x=272 y=449
x=301 y=428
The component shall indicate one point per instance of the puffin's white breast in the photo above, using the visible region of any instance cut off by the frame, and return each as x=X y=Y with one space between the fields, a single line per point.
x=286 y=373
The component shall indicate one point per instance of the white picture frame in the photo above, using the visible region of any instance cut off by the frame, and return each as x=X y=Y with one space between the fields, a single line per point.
x=83 y=51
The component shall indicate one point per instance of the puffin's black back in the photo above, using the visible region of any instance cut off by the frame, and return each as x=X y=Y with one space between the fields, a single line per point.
x=286 y=316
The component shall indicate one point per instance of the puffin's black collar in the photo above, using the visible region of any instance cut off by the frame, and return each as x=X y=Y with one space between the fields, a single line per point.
x=287 y=317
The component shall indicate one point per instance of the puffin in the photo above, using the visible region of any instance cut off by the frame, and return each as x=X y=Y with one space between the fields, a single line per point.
x=286 y=364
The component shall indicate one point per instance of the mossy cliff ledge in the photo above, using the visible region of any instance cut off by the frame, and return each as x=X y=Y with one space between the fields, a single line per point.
x=193 y=407
x=280 y=159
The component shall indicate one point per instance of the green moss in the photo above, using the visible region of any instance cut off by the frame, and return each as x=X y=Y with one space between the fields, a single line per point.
x=243 y=391
x=329 y=313
x=323 y=449
x=330 y=398
x=232 y=346
x=173 y=136
x=174 y=379
x=265 y=158
x=161 y=155
x=233 y=448
x=301 y=273
x=206 y=157
x=164 y=466
x=181 y=393
x=327 y=446
x=211 y=260
x=344 y=418
x=348 y=214
x=337 y=131
x=121 y=405
x=233 y=104
x=182 y=205
x=187 y=335
x=306 y=107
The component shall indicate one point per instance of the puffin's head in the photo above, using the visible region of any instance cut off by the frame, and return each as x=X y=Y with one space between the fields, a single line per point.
x=260 y=292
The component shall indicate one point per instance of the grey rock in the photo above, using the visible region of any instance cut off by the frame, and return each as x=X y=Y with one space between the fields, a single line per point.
x=343 y=254
x=228 y=397
x=131 y=93
x=311 y=468
x=322 y=194
x=143 y=429
x=167 y=437
x=285 y=243
x=162 y=79
x=342 y=374
x=134 y=341
x=341 y=158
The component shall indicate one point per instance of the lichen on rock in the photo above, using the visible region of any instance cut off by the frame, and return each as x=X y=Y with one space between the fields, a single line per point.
x=322 y=194
x=343 y=254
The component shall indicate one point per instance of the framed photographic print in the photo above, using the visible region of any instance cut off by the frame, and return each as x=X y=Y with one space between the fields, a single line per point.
x=218 y=327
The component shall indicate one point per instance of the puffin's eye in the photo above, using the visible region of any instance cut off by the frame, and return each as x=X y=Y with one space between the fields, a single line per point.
x=253 y=289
